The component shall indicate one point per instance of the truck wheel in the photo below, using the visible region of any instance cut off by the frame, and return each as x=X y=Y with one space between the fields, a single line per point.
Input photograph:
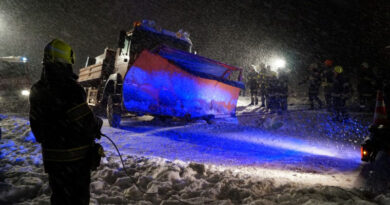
x=113 y=112
x=209 y=119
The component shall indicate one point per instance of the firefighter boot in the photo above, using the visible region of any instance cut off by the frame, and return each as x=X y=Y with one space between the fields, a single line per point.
x=262 y=101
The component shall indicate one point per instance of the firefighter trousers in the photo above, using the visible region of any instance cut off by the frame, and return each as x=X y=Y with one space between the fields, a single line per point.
x=254 y=99
x=70 y=183
x=314 y=97
x=328 y=96
x=339 y=109
x=263 y=99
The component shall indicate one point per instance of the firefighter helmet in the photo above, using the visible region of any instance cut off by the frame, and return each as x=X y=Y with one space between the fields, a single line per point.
x=328 y=63
x=57 y=51
x=338 y=69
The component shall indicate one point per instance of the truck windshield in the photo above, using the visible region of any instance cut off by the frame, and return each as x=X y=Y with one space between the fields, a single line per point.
x=144 y=39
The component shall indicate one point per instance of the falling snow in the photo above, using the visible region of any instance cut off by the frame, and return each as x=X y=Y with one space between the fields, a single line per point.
x=299 y=157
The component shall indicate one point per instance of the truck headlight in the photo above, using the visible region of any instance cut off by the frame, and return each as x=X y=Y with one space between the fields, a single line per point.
x=364 y=153
x=25 y=92
x=368 y=150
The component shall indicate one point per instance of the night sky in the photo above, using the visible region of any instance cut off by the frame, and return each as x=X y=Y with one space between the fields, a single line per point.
x=239 y=33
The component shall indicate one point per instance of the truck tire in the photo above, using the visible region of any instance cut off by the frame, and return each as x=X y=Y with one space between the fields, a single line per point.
x=209 y=119
x=113 y=112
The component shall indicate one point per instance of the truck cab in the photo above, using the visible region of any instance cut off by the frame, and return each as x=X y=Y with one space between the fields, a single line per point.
x=145 y=35
x=102 y=77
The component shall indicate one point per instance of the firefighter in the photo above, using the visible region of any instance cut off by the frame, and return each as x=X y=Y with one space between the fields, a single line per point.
x=327 y=81
x=366 y=87
x=340 y=93
x=245 y=81
x=314 y=80
x=263 y=84
x=64 y=126
x=272 y=92
x=268 y=89
x=283 y=89
x=253 y=86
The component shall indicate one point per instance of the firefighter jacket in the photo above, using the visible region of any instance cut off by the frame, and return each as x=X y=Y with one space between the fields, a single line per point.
x=341 y=87
x=327 y=76
x=263 y=80
x=253 y=81
x=283 y=84
x=273 y=87
x=59 y=117
x=366 y=82
x=314 y=80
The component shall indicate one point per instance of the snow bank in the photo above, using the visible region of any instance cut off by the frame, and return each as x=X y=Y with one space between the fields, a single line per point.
x=162 y=181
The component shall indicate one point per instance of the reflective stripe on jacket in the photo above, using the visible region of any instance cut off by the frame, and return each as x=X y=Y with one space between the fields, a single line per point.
x=65 y=155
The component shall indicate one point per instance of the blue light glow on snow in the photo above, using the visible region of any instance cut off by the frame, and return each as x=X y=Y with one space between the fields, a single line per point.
x=231 y=145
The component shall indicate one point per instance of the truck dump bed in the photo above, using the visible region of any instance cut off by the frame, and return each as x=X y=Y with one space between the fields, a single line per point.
x=170 y=82
x=90 y=73
x=103 y=65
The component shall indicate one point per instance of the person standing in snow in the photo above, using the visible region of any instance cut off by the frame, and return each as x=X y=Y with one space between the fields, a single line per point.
x=283 y=86
x=314 y=80
x=253 y=86
x=340 y=92
x=366 y=87
x=327 y=81
x=267 y=79
x=263 y=84
x=273 y=94
x=63 y=124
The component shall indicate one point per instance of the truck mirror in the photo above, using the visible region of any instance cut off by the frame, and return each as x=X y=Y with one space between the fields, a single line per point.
x=122 y=37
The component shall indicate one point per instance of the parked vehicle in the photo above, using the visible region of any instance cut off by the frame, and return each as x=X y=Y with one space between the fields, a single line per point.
x=15 y=84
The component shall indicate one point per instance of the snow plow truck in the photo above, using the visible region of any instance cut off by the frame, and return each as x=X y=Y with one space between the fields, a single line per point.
x=153 y=71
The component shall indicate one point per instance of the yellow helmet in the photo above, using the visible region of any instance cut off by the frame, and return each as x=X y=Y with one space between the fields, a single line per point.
x=338 y=69
x=57 y=51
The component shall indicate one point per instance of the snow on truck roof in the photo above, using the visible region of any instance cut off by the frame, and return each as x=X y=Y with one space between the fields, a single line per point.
x=151 y=26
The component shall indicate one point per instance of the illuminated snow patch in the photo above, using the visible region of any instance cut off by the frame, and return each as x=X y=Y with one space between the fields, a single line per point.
x=346 y=180
x=293 y=144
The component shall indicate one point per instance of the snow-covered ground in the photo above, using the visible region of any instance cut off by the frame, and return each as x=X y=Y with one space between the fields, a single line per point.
x=300 y=157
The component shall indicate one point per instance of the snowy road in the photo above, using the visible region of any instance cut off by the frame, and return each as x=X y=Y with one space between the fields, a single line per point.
x=249 y=149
